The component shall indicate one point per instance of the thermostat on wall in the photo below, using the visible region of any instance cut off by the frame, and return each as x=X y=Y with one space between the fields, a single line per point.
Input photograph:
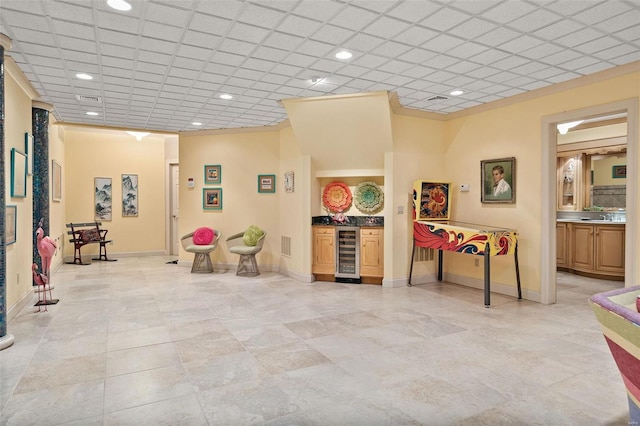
x=191 y=182
x=464 y=187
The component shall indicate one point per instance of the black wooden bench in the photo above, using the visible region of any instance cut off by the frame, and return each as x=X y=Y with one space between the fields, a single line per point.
x=88 y=233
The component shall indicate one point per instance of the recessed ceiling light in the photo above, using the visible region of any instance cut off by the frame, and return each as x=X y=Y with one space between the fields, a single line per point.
x=92 y=113
x=456 y=93
x=343 y=54
x=121 y=5
x=226 y=96
x=84 y=76
x=197 y=123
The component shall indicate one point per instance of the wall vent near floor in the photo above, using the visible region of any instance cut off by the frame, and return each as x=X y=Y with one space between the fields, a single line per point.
x=423 y=254
x=285 y=246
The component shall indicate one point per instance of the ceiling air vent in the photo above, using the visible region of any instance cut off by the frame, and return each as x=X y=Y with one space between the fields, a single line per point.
x=438 y=98
x=89 y=99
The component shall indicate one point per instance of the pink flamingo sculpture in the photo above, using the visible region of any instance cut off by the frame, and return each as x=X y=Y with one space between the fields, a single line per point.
x=46 y=249
x=41 y=280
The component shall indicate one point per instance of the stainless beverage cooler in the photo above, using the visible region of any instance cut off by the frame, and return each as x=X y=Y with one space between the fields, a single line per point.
x=348 y=254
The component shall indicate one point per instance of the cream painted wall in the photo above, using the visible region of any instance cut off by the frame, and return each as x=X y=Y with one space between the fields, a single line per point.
x=91 y=154
x=418 y=150
x=57 y=229
x=18 y=255
x=243 y=156
x=515 y=131
x=292 y=220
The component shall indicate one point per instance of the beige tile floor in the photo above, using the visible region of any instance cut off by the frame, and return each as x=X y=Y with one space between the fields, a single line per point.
x=142 y=342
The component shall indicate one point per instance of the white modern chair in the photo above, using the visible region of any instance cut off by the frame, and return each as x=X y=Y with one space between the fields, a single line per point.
x=202 y=259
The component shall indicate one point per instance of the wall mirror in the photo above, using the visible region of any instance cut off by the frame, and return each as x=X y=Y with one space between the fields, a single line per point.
x=591 y=166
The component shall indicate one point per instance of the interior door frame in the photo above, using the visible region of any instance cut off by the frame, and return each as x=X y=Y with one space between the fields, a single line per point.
x=167 y=203
x=548 y=291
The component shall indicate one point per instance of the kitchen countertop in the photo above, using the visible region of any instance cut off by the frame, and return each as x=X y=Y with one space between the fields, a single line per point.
x=362 y=221
x=592 y=221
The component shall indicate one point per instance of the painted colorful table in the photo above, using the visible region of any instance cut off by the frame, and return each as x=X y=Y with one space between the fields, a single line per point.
x=469 y=238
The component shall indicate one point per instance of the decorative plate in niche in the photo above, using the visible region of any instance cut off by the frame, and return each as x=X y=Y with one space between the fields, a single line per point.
x=336 y=197
x=368 y=197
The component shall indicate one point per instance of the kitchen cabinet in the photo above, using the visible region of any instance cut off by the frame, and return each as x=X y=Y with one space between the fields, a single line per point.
x=610 y=249
x=569 y=179
x=591 y=249
x=562 y=244
x=371 y=252
x=324 y=250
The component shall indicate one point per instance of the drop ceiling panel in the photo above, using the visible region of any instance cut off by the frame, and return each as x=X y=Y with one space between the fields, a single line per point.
x=163 y=64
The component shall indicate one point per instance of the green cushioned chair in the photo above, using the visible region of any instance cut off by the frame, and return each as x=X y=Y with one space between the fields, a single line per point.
x=247 y=266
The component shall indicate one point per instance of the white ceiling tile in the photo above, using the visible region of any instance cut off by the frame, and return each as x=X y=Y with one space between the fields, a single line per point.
x=579 y=37
x=520 y=44
x=396 y=66
x=369 y=61
x=118 y=22
x=442 y=43
x=354 y=18
x=472 y=28
x=617 y=51
x=332 y=34
x=228 y=59
x=602 y=11
x=161 y=31
x=117 y=38
x=209 y=24
x=298 y=26
x=270 y=53
x=299 y=59
x=72 y=55
x=258 y=64
x=412 y=11
x=70 y=43
x=535 y=20
x=579 y=63
x=560 y=57
x=416 y=36
x=467 y=50
x=197 y=38
x=319 y=10
x=563 y=77
x=417 y=56
x=497 y=36
x=71 y=29
x=508 y=11
x=489 y=57
x=597 y=45
x=248 y=33
x=259 y=16
x=445 y=19
x=556 y=30
x=316 y=48
x=541 y=51
x=386 y=27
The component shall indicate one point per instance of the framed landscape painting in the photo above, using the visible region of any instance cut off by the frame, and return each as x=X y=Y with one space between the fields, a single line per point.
x=129 y=195
x=103 y=201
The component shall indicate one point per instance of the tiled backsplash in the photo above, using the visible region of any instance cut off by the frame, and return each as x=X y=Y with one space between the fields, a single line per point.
x=610 y=196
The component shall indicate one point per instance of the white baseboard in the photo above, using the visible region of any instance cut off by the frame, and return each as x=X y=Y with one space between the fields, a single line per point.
x=121 y=255
x=13 y=311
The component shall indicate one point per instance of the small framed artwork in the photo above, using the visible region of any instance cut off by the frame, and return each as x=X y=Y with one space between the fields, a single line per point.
x=289 y=184
x=103 y=201
x=129 y=195
x=213 y=174
x=11 y=217
x=431 y=200
x=619 y=172
x=28 y=149
x=498 y=181
x=18 y=174
x=56 y=181
x=212 y=198
x=266 y=183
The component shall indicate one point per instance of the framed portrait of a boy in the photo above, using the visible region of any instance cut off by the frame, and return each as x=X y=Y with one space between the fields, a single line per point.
x=498 y=181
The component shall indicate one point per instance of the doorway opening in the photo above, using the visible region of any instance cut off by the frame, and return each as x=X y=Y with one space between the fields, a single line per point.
x=549 y=186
